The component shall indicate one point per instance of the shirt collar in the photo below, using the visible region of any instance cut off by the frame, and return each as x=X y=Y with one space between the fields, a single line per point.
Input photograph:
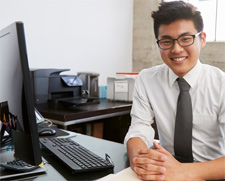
x=191 y=77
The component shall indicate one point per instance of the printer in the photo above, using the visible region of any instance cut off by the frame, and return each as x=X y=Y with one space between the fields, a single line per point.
x=52 y=90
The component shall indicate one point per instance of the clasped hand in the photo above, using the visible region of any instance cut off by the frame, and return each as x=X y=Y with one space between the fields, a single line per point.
x=156 y=164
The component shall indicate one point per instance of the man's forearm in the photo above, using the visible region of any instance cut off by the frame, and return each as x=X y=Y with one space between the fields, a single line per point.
x=133 y=145
x=211 y=170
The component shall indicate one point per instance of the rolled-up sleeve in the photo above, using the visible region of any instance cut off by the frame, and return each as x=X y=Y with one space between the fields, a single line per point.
x=142 y=115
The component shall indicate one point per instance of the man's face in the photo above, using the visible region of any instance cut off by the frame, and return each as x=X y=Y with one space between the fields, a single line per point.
x=181 y=59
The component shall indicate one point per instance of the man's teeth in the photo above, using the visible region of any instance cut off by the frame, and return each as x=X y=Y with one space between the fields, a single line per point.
x=179 y=59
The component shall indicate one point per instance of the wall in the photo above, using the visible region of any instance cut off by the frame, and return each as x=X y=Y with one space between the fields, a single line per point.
x=83 y=35
x=145 y=49
x=214 y=54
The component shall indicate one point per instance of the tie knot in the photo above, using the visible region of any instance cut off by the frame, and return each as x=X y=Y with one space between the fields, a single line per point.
x=184 y=86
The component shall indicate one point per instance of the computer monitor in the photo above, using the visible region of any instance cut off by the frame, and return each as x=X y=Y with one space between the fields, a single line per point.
x=15 y=83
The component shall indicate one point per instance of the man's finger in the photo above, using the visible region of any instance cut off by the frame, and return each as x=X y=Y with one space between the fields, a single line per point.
x=149 y=169
x=152 y=154
x=145 y=160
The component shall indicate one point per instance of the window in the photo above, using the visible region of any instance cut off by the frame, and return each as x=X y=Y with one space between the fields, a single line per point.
x=213 y=14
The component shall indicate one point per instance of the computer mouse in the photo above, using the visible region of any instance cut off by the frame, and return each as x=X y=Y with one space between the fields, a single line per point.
x=46 y=131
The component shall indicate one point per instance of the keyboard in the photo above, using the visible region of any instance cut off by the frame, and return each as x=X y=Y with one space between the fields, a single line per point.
x=18 y=165
x=75 y=156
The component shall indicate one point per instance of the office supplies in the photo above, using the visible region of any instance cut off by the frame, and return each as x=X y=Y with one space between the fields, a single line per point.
x=120 y=87
x=102 y=91
x=39 y=117
x=16 y=89
x=47 y=131
x=125 y=174
x=5 y=120
x=43 y=130
x=75 y=156
x=19 y=165
x=53 y=90
x=90 y=84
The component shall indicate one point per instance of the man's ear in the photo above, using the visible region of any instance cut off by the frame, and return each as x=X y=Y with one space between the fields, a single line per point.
x=203 y=39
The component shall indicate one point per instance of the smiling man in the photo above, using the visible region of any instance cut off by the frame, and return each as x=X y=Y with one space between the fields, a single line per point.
x=192 y=128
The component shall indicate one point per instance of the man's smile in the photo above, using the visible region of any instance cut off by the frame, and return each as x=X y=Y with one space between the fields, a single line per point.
x=178 y=59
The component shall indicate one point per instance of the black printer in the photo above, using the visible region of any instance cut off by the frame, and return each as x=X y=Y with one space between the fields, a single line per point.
x=52 y=90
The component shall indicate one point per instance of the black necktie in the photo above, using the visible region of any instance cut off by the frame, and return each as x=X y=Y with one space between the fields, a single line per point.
x=183 y=125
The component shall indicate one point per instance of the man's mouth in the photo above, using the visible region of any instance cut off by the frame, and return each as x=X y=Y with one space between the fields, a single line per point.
x=178 y=59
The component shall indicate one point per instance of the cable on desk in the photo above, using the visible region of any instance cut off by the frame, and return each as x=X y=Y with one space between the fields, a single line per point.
x=47 y=121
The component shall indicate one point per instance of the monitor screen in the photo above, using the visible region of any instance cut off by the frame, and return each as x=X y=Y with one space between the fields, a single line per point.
x=15 y=83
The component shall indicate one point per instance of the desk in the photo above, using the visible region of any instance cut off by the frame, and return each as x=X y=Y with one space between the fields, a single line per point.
x=106 y=111
x=86 y=113
x=57 y=171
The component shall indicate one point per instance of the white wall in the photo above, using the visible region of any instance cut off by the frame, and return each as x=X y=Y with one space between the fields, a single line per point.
x=83 y=35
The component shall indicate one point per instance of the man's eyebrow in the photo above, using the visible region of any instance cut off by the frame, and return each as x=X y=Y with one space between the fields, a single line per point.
x=186 y=33
x=169 y=37
x=166 y=37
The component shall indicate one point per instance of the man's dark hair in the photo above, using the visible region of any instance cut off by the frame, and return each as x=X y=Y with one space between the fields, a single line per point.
x=169 y=12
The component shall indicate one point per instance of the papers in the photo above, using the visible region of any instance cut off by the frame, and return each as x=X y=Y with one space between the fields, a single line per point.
x=126 y=174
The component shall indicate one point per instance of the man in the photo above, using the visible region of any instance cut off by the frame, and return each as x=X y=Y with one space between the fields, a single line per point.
x=178 y=28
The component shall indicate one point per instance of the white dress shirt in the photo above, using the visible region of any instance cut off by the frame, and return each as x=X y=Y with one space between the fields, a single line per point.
x=155 y=99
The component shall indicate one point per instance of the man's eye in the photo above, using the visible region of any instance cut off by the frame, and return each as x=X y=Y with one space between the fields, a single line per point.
x=186 y=39
x=166 y=41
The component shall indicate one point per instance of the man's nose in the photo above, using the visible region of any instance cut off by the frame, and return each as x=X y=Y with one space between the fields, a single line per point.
x=176 y=47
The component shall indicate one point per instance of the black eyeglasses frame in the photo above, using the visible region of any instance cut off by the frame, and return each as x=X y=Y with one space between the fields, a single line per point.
x=194 y=36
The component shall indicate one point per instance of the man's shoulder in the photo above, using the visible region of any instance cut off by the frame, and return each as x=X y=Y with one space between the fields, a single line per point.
x=154 y=71
x=213 y=71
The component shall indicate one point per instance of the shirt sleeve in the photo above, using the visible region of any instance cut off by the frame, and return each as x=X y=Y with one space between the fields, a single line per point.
x=142 y=115
x=222 y=99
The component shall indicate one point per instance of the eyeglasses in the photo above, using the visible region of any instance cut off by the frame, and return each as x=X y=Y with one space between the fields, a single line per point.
x=184 y=40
